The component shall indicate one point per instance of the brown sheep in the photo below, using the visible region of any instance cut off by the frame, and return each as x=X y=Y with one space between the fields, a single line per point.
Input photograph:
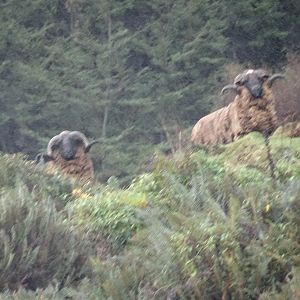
x=253 y=109
x=67 y=152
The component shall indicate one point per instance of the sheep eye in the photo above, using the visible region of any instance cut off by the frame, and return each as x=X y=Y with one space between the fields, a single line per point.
x=265 y=77
x=240 y=82
x=78 y=141
x=54 y=147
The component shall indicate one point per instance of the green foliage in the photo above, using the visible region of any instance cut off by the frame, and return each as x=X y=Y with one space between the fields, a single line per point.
x=289 y=290
x=16 y=168
x=238 y=252
x=219 y=233
x=123 y=71
x=251 y=151
x=48 y=293
x=209 y=223
x=85 y=289
x=109 y=213
x=38 y=244
x=254 y=30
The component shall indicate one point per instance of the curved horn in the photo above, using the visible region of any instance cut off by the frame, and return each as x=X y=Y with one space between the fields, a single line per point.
x=274 y=77
x=54 y=141
x=229 y=87
x=89 y=146
x=81 y=136
x=42 y=158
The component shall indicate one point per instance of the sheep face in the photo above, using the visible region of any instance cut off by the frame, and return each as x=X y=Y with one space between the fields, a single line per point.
x=254 y=82
x=68 y=144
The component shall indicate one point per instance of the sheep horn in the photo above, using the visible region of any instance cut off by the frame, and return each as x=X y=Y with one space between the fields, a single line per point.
x=274 y=77
x=229 y=87
x=42 y=158
x=55 y=140
x=80 y=135
x=89 y=146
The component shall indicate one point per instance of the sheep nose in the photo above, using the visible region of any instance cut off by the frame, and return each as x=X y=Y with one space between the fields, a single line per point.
x=256 y=91
x=68 y=155
x=69 y=158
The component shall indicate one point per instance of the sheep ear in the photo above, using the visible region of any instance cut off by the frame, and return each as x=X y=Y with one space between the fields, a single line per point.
x=274 y=77
x=42 y=158
x=89 y=146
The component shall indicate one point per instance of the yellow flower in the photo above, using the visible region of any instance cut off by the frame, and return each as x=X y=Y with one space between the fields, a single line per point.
x=267 y=208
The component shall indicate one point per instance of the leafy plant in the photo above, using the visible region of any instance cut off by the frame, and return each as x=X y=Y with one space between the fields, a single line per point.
x=111 y=214
x=38 y=244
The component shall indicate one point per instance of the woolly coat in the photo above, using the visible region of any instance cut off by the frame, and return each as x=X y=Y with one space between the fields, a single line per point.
x=81 y=167
x=244 y=115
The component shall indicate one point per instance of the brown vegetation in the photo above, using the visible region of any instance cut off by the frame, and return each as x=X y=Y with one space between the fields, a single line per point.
x=287 y=94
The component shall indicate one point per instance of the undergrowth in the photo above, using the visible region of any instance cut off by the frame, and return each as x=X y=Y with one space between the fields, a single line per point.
x=209 y=224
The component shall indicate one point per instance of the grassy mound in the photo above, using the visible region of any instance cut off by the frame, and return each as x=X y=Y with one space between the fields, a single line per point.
x=201 y=225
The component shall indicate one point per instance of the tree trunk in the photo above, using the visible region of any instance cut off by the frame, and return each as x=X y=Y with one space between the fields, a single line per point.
x=108 y=89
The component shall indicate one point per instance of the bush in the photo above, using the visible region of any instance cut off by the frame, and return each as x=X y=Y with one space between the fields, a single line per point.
x=206 y=225
x=85 y=290
x=194 y=251
x=37 y=244
x=16 y=168
x=109 y=216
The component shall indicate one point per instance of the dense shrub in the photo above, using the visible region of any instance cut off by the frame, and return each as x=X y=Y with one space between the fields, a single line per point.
x=204 y=225
x=16 y=168
x=109 y=216
x=38 y=245
x=225 y=231
x=203 y=250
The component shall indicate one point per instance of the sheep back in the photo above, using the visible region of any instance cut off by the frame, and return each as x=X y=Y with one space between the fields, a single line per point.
x=221 y=126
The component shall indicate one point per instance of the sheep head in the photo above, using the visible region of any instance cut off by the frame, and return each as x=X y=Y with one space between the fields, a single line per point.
x=67 y=151
x=68 y=145
x=254 y=81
